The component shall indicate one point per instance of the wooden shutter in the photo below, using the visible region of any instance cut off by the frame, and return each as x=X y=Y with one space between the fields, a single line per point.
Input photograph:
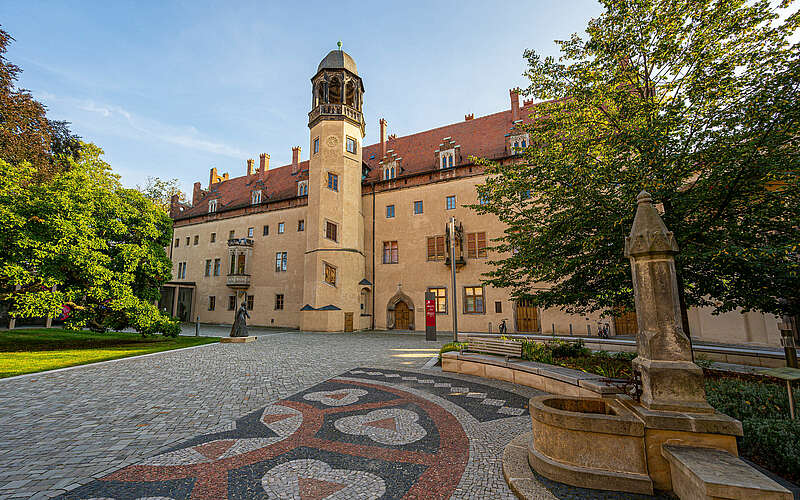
x=471 y=246
x=431 y=247
x=481 y=237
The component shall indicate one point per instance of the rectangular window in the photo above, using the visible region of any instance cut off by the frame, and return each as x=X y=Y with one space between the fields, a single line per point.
x=441 y=299
x=435 y=247
x=208 y=267
x=280 y=227
x=389 y=211
x=473 y=300
x=280 y=261
x=187 y=241
x=231 y=302
x=196 y=239
x=352 y=145
x=265 y=231
x=417 y=207
x=333 y=181
x=181 y=270
x=316 y=145
x=330 y=274
x=498 y=307
x=476 y=245
x=278 y=301
x=331 y=231
x=217 y=267
x=231 y=234
x=213 y=237
x=249 y=232
x=451 y=202
x=212 y=303
x=250 y=300
x=301 y=225
x=390 y=252
x=177 y=242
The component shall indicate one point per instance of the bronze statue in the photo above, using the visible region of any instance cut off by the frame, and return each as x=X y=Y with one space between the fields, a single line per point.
x=239 y=328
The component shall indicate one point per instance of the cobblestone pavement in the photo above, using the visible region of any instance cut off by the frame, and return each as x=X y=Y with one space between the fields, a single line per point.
x=289 y=416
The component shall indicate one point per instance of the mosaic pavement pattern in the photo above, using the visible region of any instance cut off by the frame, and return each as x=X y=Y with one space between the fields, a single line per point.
x=366 y=434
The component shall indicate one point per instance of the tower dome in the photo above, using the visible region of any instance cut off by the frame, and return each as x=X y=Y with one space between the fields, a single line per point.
x=338 y=59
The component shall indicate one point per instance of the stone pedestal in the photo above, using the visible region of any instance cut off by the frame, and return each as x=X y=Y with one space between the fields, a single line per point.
x=670 y=380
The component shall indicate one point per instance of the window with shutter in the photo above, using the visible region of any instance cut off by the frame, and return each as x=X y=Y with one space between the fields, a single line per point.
x=435 y=247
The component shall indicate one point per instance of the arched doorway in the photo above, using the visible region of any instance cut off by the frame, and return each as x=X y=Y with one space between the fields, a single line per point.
x=402 y=316
x=400 y=312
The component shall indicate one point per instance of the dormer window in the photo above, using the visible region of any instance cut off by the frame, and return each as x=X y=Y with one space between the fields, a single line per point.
x=516 y=143
x=448 y=158
x=212 y=206
x=302 y=188
x=255 y=197
x=390 y=170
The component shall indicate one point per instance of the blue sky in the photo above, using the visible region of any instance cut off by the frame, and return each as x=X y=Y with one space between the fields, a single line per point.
x=171 y=89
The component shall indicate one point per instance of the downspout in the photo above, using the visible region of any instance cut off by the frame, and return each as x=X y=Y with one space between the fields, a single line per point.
x=374 y=281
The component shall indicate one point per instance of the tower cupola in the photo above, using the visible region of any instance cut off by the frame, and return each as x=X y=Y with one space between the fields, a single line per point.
x=337 y=90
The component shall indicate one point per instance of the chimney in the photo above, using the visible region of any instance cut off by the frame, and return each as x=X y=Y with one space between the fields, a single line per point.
x=295 y=159
x=383 y=137
x=174 y=204
x=213 y=178
x=250 y=163
x=263 y=163
x=469 y=117
x=196 y=194
x=514 y=93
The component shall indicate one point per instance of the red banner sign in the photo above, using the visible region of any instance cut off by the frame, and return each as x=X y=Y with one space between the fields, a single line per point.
x=430 y=313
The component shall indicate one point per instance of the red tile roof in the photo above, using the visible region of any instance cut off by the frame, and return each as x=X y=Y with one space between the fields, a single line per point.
x=481 y=137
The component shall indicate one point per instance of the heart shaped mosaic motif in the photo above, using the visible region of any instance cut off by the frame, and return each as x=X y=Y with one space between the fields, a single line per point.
x=393 y=426
x=342 y=397
x=283 y=421
x=308 y=479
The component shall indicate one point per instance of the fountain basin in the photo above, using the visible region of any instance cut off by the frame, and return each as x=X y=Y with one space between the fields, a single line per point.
x=588 y=442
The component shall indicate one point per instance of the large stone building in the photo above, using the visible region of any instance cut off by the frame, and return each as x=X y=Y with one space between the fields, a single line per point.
x=353 y=237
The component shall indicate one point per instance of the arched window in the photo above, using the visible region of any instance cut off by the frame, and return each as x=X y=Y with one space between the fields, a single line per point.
x=321 y=93
x=444 y=162
x=350 y=94
x=523 y=143
x=451 y=160
x=335 y=91
x=392 y=172
x=516 y=146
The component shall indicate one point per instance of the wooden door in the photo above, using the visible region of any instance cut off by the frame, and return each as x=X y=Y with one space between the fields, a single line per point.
x=402 y=316
x=348 y=322
x=527 y=317
x=626 y=324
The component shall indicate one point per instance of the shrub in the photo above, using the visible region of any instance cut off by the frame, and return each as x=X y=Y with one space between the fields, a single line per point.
x=451 y=346
x=534 y=351
x=563 y=349
x=770 y=438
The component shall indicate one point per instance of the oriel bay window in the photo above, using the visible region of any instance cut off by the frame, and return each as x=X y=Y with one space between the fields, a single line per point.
x=435 y=247
x=390 y=252
x=473 y=300
x=476 y=245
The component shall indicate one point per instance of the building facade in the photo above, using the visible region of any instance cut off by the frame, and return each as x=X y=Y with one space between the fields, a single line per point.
x=353 y=237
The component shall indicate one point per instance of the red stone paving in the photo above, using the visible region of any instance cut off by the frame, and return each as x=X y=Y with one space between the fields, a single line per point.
x=214 y=449
x=271 y=419
x=316 y=489
x=384 y=423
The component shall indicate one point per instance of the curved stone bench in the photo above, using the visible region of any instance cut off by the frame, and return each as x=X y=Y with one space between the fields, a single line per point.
x=548 y=378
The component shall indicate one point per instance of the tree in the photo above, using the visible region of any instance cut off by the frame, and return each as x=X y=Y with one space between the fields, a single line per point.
x=26 y=134
x=160 y=191
x=695 y=101
x=83 y=240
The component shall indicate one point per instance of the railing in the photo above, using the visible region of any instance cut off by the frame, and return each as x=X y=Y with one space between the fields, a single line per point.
x=240 y=242
x=336 y=109
x=239 y=280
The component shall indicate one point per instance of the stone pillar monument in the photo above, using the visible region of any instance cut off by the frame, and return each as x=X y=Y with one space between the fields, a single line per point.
x=670 y=380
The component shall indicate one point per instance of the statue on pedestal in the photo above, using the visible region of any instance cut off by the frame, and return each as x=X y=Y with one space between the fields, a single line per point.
x=239 y=328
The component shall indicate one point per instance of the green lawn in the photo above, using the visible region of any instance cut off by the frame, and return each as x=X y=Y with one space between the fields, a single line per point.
x=35 y=350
